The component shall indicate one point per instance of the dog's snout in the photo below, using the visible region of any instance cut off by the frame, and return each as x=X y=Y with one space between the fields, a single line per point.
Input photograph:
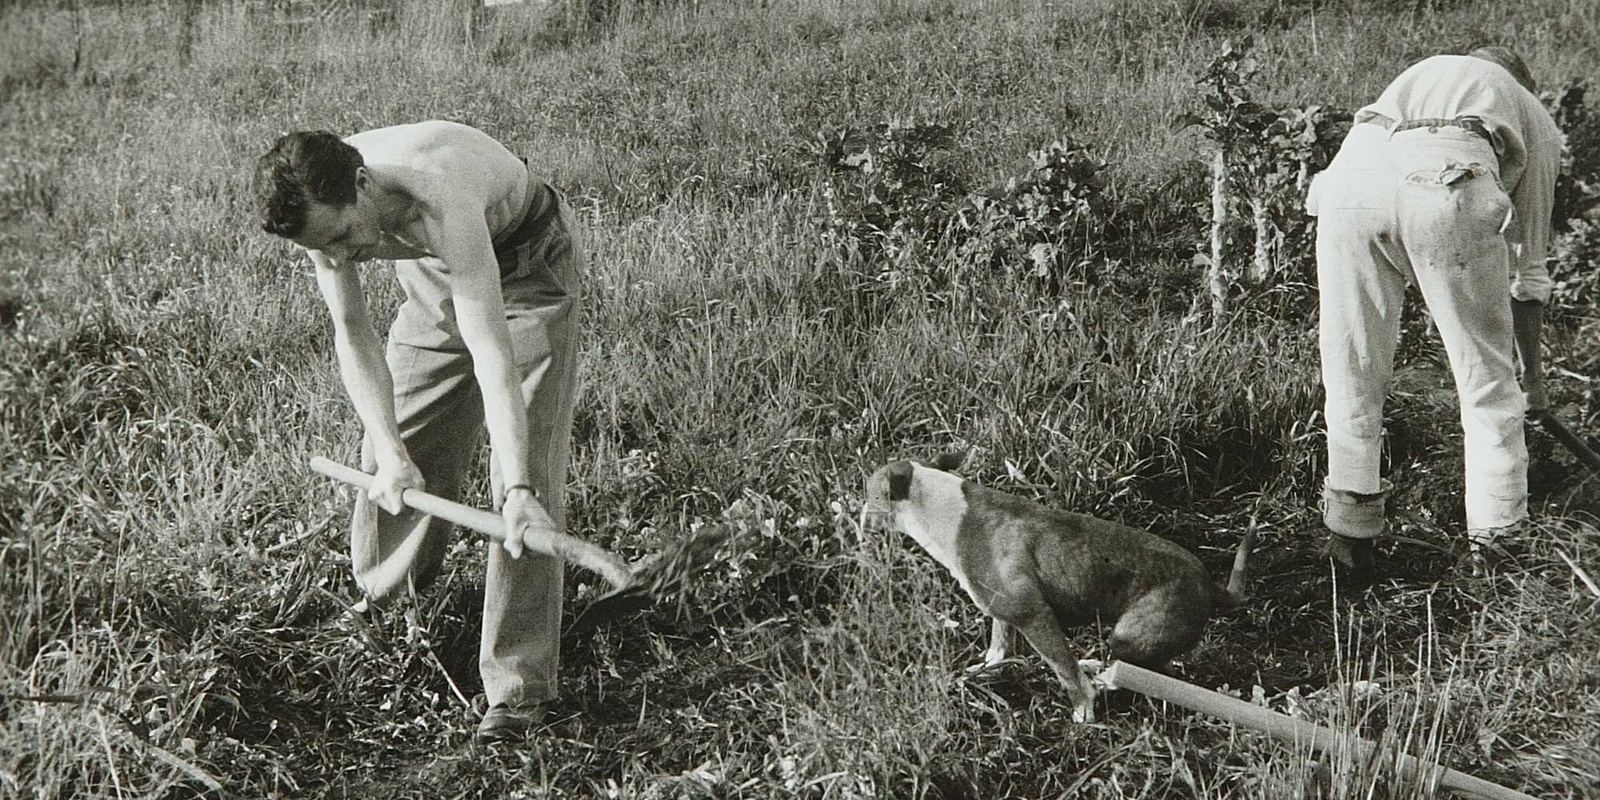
x=874 y=515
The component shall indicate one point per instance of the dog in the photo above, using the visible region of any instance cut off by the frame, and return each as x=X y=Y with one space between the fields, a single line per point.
x=1042 y=571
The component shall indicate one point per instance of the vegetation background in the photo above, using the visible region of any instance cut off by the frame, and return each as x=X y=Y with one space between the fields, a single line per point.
x=824 y=234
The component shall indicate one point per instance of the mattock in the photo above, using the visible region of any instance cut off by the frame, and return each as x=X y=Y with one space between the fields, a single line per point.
x=1555 y=427
x=631 y=587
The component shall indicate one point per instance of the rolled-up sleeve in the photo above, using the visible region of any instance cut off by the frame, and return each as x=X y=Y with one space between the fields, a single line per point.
x=1529 y=234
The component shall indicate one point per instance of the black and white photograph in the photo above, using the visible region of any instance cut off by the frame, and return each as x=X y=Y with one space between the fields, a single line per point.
x=799 y=399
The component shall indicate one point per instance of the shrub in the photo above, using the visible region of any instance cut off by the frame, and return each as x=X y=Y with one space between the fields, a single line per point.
x=1262 y=159
x=893 y=187
x=1046 y=226
x=1577 y=210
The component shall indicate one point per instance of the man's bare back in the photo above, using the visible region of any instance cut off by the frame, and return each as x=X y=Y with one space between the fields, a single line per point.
x=420 y=172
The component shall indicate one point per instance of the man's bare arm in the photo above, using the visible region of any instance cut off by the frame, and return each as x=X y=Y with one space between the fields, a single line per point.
x=461 y=241
x=366 y=379
x=1534 y=197
x=1527 y=322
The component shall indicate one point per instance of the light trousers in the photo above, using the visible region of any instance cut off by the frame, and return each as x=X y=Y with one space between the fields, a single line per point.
x=440 y=411
x=1421 y=207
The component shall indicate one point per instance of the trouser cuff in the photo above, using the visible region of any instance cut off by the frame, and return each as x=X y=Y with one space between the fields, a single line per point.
x=1355 y=514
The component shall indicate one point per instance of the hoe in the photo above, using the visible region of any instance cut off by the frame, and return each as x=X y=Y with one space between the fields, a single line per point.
x=631 y=587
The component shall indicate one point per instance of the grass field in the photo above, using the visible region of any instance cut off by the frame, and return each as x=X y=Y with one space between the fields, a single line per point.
x=764 y=327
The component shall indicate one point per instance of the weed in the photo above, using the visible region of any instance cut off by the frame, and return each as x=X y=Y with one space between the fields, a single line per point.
x=1044 y=227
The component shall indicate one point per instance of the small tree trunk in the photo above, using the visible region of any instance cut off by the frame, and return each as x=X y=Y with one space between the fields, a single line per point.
x=1261 y=267
x=186 y=24
x=77 y=37
x=1219 y=220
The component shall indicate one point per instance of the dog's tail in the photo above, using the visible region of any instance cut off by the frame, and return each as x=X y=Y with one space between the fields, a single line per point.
x=1235 y=592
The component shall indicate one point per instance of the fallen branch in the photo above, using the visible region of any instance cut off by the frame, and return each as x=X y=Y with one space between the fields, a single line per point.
x=1279 y=726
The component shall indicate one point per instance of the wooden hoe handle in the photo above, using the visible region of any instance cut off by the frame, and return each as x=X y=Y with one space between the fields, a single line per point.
x=1121 y=675
x=490 y=524
x=1570 y=440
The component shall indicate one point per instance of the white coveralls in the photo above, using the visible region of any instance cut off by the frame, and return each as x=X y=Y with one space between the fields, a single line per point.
x=1446 y=182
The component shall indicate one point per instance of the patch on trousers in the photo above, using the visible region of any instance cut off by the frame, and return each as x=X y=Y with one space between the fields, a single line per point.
x=1452 y=173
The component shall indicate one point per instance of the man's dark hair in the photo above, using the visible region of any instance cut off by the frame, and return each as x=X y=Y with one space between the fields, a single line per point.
x=1506 y=57
x=301 y=167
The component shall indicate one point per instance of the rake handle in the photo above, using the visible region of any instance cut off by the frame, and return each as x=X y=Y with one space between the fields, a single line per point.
x=490 y=524
x=1121 y=675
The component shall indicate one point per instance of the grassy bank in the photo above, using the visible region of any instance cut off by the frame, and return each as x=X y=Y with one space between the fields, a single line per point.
x=173 y=578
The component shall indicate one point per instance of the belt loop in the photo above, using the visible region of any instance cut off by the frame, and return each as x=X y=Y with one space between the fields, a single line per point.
x=1381 y=121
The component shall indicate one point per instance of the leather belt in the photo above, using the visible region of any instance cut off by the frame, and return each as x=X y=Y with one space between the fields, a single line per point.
x=1473 y=125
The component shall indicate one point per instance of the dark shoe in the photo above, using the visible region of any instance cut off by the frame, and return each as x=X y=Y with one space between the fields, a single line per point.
x=1495 y=551
x=1352 y=561
x=503 y=723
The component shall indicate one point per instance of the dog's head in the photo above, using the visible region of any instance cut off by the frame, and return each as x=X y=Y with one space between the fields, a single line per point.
x=890 y=484
x=895 y=483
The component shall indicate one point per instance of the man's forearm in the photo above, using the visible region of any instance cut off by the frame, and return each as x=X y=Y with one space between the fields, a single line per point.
x=1527 y=324
x=371 y=389
x=506 y=419
x=480 y=313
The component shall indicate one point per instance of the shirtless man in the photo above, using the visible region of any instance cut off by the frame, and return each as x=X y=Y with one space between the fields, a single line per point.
x=489 y=258
x=1445 y=182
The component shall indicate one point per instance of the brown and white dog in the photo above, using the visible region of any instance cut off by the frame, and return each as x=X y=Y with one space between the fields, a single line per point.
x=1041 y=571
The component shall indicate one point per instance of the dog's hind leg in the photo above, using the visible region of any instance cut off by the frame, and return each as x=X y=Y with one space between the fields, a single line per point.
x=1155 y=630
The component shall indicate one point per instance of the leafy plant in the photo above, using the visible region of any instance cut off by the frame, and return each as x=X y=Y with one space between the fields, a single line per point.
x=1577 y=209
x=1045 y=225
x=1261 y=160
x=893 y=187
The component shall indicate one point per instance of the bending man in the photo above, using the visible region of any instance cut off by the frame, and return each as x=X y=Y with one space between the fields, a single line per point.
x=1445 y=182
x=489 y=259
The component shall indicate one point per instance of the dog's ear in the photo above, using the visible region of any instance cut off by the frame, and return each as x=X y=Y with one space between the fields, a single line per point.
x=900 y=480
x=952 y=461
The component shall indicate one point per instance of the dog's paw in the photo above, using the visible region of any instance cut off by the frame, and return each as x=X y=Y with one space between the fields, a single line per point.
x=991 y=660
x=1084 y=713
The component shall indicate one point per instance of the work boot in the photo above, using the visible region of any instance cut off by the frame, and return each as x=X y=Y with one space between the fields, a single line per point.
x=1494 y=550
x=1355 y=519
x=1352 y=560
x=505 y=723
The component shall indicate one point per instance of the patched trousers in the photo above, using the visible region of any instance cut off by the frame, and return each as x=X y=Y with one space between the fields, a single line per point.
x=440 y=412
x=1423 y=207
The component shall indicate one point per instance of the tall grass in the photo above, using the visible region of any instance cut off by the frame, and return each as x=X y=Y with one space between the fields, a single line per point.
x=173 y=579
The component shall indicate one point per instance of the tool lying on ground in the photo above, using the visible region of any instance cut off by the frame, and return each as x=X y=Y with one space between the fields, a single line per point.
x=1555 y=427
x=1298 y=732
x=631 y=587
